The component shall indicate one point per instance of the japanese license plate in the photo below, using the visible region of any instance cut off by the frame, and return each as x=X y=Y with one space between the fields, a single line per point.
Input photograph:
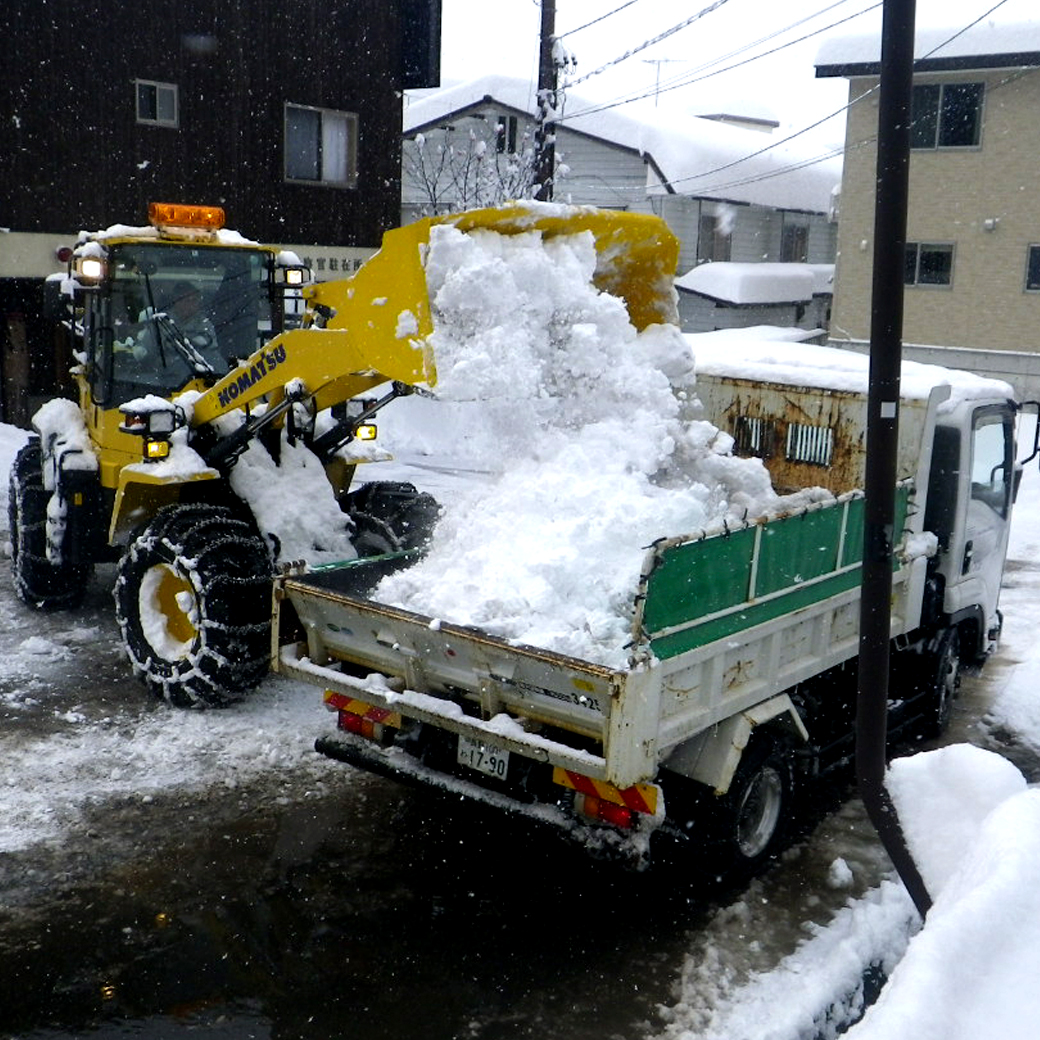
x=486 y=758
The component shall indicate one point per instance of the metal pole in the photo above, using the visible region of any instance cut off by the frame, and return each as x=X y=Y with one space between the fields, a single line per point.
x=545 y=129
x=886 y=330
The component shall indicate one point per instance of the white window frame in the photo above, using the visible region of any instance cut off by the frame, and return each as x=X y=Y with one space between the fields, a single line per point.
x=335 y=170
x=159 y=88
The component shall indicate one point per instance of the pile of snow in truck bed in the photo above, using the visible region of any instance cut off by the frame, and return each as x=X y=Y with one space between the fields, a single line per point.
x=576 y=418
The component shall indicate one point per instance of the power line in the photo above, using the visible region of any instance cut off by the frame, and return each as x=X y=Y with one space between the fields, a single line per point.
x=754 y=178
x=649 y=43
x=819 y=122
x=571 y=32
x=681 y=78
x=691 y=79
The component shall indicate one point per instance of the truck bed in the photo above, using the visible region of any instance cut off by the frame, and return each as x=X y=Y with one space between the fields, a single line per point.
x=723 y=621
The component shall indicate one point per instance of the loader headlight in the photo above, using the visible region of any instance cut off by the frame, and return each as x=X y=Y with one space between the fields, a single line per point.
x=293 y=276
x=366 y=432
x=153 y=420
x=90 y=268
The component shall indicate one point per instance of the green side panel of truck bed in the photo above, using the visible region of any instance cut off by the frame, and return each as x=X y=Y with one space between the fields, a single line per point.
x=714 y=587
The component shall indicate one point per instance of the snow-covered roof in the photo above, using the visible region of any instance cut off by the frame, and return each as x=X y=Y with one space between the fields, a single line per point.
x=758 y=283
x=808 y=364
x=985 y=45
x=686 y=155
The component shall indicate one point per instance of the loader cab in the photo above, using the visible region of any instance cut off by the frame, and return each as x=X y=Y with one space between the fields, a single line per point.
x=175 y=305
x=165 y=315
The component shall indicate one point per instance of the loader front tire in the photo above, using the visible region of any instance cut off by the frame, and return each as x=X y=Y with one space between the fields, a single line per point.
x=38 y=582
x=193 y=601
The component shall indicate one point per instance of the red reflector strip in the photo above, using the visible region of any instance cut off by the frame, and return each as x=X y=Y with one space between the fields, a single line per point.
x=341 y=702
x=639 y=797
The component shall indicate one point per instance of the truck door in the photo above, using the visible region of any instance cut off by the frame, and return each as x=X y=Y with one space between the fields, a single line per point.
x=978 y=563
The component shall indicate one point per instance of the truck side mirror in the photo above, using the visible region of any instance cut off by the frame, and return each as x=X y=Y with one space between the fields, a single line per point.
x=1034 y=407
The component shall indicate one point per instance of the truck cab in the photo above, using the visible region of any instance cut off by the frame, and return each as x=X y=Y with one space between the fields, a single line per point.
x=971 y=488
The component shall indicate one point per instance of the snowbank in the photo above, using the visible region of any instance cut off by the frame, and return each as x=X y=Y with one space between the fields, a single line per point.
x=971 y=972
x=584 y=437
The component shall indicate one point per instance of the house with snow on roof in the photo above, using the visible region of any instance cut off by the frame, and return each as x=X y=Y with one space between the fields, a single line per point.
x=729 y=192
x=972 y=274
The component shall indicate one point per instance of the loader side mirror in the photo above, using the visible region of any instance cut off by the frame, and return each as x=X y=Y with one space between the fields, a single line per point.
x=57 y=305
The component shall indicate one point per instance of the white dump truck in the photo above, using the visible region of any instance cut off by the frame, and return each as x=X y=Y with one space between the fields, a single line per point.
x=741 y=673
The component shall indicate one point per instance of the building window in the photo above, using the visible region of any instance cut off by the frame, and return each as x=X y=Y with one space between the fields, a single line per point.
x=156 y=103
x=1033 y=269
x=794 y=241
x=928 y=263
x=320 y=146
x=946 y=115
x=714 y=238
x=506 y=135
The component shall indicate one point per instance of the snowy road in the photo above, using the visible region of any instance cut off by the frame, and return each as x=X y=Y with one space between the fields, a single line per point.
x=163 y=871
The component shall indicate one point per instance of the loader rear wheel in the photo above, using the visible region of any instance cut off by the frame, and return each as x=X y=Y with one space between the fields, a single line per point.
x=39 y=583
x=193 y=600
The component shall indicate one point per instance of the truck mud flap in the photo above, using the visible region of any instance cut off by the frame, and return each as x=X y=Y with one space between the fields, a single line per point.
x=629 y=849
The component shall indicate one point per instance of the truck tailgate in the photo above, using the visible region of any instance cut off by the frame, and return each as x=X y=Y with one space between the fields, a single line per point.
x=461 y=678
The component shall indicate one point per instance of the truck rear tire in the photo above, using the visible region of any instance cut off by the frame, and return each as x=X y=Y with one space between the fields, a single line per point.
x=752 y=816
x=193 y=601
x=38 y=582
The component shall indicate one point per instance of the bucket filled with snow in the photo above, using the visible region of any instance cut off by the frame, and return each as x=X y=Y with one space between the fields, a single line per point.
x=585 y=430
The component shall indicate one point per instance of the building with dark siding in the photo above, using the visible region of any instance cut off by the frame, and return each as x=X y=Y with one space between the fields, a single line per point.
x=287 y=115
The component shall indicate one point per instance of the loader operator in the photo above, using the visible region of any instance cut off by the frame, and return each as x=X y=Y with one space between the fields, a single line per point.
x=183 y=311
x=185 y=308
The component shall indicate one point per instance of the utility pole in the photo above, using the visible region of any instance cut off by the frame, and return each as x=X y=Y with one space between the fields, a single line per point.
x=886 y=346
x=545 y=128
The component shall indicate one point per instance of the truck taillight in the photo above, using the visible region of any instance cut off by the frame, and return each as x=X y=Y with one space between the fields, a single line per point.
x=366 y=720
x=599 y=800
x=598 y=809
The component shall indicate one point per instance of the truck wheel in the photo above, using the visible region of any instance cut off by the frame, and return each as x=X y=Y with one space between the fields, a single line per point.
x=752 y=815
x=942 y=681
x=39 y=583
x=193 y=601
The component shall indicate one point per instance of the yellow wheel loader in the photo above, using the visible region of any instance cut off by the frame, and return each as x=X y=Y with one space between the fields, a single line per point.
x=193 y=344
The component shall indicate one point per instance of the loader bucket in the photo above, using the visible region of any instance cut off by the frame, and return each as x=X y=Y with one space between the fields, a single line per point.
x=386 y=302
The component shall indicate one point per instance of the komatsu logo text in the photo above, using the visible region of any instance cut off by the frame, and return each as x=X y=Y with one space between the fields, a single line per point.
x=268 y=361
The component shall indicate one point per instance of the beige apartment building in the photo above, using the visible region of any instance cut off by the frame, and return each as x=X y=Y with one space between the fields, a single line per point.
x=972 y=269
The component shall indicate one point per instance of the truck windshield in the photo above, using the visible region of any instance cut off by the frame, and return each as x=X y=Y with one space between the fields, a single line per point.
x=180 y=312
